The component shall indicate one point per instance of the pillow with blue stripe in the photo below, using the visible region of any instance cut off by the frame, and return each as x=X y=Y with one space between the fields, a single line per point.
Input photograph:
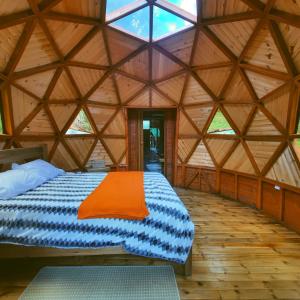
x=46 y=170
x=17 y=182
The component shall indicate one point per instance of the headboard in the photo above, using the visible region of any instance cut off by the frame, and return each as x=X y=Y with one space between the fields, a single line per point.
x=17 y=155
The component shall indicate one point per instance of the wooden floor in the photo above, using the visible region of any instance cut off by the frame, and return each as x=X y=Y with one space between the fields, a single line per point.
x=238 y=253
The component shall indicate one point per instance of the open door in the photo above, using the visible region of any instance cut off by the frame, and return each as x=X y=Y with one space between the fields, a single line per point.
x=151 y=141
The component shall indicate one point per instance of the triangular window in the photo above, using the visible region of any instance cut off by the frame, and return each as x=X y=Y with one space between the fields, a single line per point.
x=166 y=23
x=296 y=146
x=189 y=6
x=137 y=23
x=81 y=125
x=219 y=125
x=115 y=8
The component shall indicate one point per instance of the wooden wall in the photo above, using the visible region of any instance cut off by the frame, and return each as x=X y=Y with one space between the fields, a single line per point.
x=280 y=201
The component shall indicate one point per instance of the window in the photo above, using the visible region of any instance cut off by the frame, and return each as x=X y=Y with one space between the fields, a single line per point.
x=166 y=23
x=298 y=123
x=220 y=125
x=138 y=22
x=1 y=119
x=81 y=125
x=189 y=6
x=146 y=124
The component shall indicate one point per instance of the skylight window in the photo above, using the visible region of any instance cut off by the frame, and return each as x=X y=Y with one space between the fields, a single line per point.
x=189 y=6
x=81 y=125
x=117 y=8
x=166 y=23
x=137 y=23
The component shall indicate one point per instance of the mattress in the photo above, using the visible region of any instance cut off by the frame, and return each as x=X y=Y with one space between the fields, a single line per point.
x=47 y=217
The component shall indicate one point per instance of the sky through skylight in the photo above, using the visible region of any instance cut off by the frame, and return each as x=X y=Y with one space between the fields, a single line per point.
x=164 y=22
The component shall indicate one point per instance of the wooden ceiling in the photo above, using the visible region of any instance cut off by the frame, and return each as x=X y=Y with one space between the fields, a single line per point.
x=241 y=57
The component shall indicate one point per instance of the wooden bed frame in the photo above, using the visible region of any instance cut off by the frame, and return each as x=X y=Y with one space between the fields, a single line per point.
x=10 y=251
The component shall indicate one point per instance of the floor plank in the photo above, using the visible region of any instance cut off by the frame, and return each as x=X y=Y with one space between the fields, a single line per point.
x=238 y=253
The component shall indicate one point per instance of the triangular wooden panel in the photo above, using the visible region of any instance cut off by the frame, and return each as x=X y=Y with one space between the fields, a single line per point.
x=67 y=34
x=62 y=113
x=263 y=85
x=138 y=66
x=22 y=105
x=162 y=66
x=215 y=78
x=262 y=151
x=219 y=148
x=99 y=153
x=105 y=93
x=239 y=113
x=185 y=146
x=40 y=124
x=62 y=159
x=8 y=41
x=80 y=147
x=185 y=126
x=101 y=115
x=234 y=35
x=194 y=93
x=173 y=87
x=218 y=8
x=291 y=7
x=261 y=125
x=93 y=52
x=180 y=45
x=199 y=115
x=37 y=83
x=207 y=52
x=8 y=7
x=201 y=157
x=86 y=78
x=237 y=91
x=127 y=87
x=117 y=125
x=117 y=147
x=38 y=51
x=120 y=45
x=291 y=36
x=80 y=125
x=159 y=100
x=239 y=161
x=263 y=52
x=142 y=100
x=285 y=169
x=63 y=89
x=30 y=144
x=86 y=8
x=278 y=104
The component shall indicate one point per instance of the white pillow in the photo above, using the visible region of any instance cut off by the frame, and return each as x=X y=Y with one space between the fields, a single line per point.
x=46 y=170
x=16 y=182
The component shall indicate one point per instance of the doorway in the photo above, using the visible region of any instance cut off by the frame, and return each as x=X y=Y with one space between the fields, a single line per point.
x=151 y=140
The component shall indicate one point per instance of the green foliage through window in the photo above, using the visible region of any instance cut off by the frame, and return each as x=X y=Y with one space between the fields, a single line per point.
x=1 y=121
x=81 y=125
x=220 y=125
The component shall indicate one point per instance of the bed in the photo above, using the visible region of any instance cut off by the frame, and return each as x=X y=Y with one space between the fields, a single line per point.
x=43 y=222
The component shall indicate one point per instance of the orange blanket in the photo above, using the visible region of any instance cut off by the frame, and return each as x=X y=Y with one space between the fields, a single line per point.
x=119 y=195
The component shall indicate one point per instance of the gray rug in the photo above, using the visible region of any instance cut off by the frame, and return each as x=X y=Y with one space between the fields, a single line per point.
x=104 y=283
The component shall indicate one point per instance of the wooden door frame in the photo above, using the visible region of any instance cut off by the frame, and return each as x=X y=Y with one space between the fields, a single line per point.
x=140 y=112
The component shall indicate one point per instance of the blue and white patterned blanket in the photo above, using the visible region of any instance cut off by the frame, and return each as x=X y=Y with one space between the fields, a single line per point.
x=47 y=217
